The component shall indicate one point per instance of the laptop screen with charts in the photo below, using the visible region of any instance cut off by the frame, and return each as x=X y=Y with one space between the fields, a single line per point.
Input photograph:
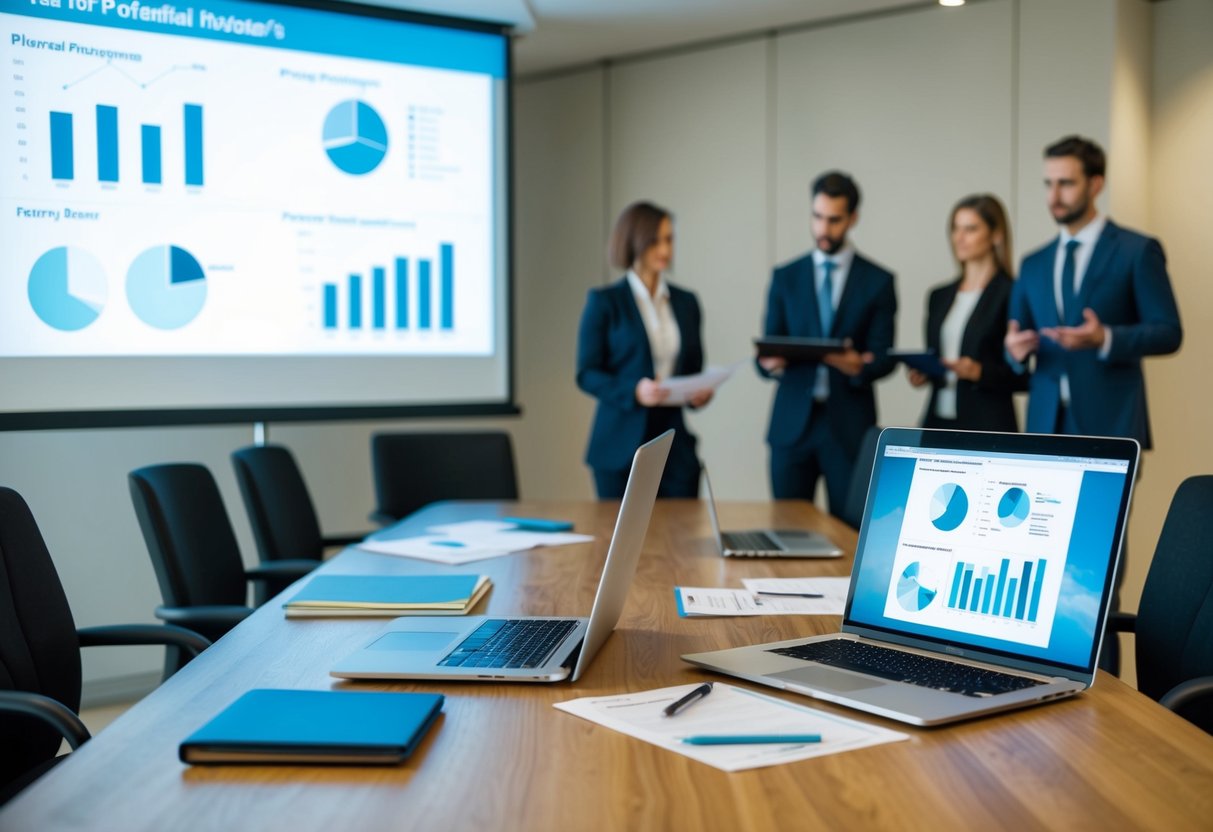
x=981 y=582
x=767 y=543
x=522 y=648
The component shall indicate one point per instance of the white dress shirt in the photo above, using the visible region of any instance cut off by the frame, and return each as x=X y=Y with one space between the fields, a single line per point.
x=1087 y=237
x=842 y=268
x=665 y=339
x=951 y=332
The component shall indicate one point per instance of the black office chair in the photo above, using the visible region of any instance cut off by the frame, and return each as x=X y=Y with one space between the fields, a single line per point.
x=194 y=551
x=857 y=493
x=1174 y=622
x=40 y=651
x=414 y=469
x=279 y=507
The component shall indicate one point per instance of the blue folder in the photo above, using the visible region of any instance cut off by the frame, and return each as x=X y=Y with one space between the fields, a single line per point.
x=314 y=727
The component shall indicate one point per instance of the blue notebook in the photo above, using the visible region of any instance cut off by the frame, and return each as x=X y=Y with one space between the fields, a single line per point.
x=387 y=595
x=314 y=727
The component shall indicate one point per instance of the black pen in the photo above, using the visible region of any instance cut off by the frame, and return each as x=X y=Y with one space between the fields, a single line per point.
x=792 y=594
x=688 y=700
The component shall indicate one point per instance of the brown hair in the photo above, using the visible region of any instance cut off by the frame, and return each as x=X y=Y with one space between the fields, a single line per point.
x=635 y=231
x=994 y=216
x=1087 y=152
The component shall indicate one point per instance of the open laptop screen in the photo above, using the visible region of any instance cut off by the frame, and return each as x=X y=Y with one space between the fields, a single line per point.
x=997 y=542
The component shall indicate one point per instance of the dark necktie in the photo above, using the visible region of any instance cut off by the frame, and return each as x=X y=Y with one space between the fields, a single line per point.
x=1071 y=314
x=825 y=296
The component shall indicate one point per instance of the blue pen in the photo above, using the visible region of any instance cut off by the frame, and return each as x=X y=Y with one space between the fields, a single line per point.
x=750 y=739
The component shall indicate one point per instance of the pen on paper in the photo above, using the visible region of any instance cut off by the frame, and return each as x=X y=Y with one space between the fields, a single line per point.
x=792 y=594
x=751 y=739
x=687 y=701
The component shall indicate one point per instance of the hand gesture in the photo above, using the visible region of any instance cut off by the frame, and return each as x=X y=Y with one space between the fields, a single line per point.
x=1089 y=335
x=1020 y=343
x=849 y=362
x=650 y=393
x=965 y=368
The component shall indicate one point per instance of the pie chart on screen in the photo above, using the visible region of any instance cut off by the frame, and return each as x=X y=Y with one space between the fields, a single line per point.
x=355 y=137
x=912 y=595
x=1013 y=507
x=67 y=288
x=166 y=287
x=949 y=505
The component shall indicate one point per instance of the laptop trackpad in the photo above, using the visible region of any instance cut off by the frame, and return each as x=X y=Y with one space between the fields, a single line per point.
x=823 y=678
x=412 y=641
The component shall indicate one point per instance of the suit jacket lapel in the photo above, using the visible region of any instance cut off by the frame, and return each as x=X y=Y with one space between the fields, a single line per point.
x=977 y=324
x=680 y=317
x=1105 y=246
x=637 y=322
x=1047 y=312
x=850 y=290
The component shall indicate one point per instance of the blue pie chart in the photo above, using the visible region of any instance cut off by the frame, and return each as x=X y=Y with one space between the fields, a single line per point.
x=1013 y=507
x=67 y=288
x=355 y=137
x=166 y=287
x=949 y=505
x=912 y=595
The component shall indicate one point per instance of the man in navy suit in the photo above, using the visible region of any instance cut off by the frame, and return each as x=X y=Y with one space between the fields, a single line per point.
x=1089 y=305
x=822 y=409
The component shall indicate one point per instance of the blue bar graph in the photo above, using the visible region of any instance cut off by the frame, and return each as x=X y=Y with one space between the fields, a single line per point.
x=447 y=253
x=378 y=297
x=150 y=134
x=402 y=293
x=423 y=294
x=981 y=590
x=62 y=161
x=355 y=301
x=107 y=143
x=330 y=306
x=193 y=145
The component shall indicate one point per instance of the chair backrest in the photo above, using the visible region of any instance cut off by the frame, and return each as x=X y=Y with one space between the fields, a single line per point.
x=39 y=649
x=188 y=535
x=414 y=469
x=1175 y=617
x=279 y=507
x=857 y=493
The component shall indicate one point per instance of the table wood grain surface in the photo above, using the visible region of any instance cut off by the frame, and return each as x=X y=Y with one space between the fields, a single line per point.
x=501 y=757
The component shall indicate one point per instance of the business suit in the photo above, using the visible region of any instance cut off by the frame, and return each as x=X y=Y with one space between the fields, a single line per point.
x=613 y=355
x=1127 y=286
x=807 y=436
x=985 y=404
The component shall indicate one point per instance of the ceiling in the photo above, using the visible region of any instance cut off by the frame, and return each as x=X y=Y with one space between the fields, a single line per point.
x=554 y=34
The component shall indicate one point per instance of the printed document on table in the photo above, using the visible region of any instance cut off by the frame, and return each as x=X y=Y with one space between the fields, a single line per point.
x=456 y=543
x=502 y=533
x=695 y=601
x=834 y=591
x=433 y=547
x=681 y=388
x=728 y=710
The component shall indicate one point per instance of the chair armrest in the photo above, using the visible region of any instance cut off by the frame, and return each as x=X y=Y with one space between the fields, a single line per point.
x=281 y=569
x=207 y=618
x=343 y=539
x=51 y=711
x=1185 y=693
x=124 y=634
x=1122 y=622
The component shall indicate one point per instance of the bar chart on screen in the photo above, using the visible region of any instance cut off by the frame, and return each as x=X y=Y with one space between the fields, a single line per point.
x=402 y=294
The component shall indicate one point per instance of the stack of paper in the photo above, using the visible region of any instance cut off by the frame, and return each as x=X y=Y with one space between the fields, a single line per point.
x=457 y=543
x=766 y=596
x=387 y=596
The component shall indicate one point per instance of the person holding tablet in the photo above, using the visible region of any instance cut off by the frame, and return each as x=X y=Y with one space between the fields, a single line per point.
x=966 y=322
x=634 y=333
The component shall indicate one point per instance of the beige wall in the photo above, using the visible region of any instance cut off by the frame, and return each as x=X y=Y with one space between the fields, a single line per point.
x=923 y=106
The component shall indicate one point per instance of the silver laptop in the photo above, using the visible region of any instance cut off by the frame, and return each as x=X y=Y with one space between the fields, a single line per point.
x=767 y=543
x=981 y=582
x=528 y=648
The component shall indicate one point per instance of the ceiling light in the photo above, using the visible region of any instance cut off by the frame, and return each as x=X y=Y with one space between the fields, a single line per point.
x=951 y=2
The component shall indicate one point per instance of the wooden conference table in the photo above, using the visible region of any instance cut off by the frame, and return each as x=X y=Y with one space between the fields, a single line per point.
x=502 y=757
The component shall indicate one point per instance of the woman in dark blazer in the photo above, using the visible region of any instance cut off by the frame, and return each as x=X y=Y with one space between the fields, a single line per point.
x=634 y=333
x=966 y=322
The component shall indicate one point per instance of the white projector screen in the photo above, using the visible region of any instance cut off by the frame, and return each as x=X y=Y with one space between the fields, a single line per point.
x=231 y=210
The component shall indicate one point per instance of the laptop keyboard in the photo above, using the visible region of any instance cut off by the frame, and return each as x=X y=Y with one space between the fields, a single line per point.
x=900 y=666
x=749 y=542
x=508 y=643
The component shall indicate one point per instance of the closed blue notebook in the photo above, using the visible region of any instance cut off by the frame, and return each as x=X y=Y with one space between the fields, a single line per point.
x=314 y=727
x=390 y=595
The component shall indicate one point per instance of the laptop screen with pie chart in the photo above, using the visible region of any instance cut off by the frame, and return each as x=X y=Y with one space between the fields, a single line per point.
x=1004 y=548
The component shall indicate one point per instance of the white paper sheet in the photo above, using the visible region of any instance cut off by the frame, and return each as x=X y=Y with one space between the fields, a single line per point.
x=683 y=387
x=473 y=540
x=696 y=601
x=728 y=709
x=834 y=591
